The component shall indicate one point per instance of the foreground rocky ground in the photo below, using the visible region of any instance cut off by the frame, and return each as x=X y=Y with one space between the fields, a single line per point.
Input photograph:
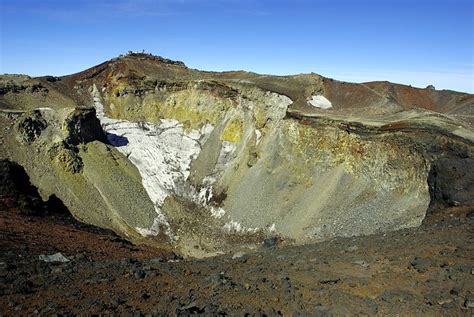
x=423 y=271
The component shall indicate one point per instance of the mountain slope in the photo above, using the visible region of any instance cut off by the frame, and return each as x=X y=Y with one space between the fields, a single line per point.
x=209 y=162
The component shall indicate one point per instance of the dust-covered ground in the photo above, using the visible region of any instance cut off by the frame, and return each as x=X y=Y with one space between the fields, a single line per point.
x=422 y=271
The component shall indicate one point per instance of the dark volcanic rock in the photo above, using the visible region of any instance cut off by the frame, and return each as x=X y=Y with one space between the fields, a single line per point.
x=83 y=127
x=16 y=189
x=451 y=182
x=422 y=265
x=31 y=126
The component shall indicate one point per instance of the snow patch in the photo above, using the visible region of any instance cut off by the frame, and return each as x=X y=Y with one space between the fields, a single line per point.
x=205 y=194
x=320 y=101
x=226 y=154
x=154 y=230
x=44 y=109
x=162 y=153
x=217 y=212
x=272 y=228
x=234 y=226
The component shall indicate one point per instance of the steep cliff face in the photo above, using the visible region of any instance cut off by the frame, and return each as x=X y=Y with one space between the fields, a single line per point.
x=68 y=159
x=213 y=162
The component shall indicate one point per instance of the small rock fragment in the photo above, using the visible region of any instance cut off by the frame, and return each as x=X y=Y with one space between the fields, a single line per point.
x=54 y=258
x=238 y=255
x=352 y=248
x=362 y=263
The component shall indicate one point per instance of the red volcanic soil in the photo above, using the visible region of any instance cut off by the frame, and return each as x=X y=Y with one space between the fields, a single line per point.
x=62 y=233
x=426 y=271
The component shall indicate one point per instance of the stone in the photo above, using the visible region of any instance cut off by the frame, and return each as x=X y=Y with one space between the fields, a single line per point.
x=53 y=258
x=352 y=248
x=238 y=255
x=422 y=264
x=469 y=303
x=271 y=242
x=362 y=263
x=139 y=274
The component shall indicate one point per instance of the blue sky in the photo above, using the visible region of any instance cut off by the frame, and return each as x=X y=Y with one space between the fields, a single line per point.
x=417 y=42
